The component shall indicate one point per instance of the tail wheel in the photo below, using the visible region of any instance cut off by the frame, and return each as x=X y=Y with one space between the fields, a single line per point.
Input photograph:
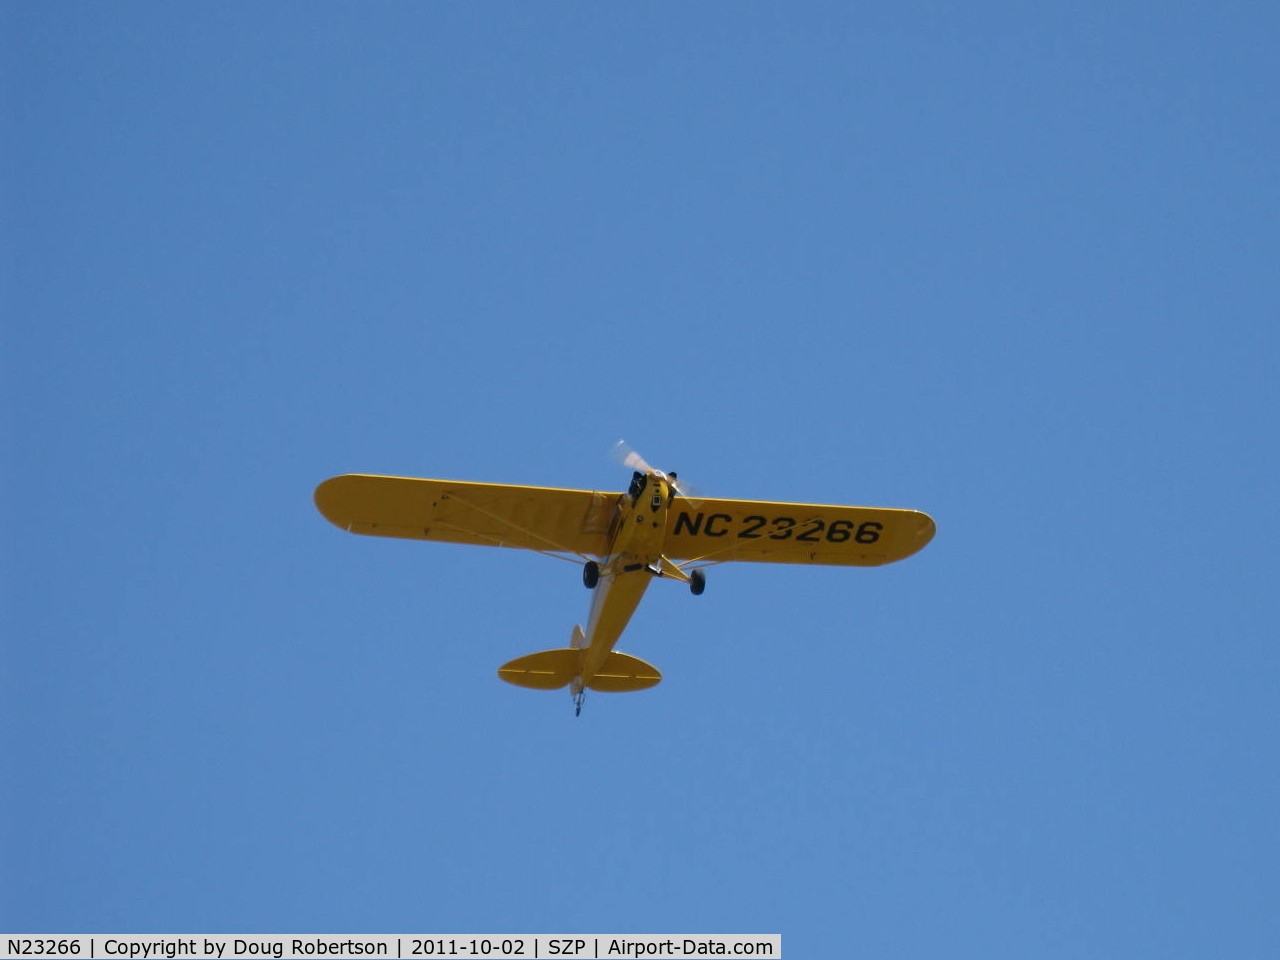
x=590 y=574
x=697 y=582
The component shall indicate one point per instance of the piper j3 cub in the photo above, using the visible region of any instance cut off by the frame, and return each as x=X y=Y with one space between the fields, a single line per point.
x=623 y=541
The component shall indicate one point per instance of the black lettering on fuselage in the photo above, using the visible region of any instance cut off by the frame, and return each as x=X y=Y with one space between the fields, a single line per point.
x=755 y=527
x=685 y=524
x=712 y=519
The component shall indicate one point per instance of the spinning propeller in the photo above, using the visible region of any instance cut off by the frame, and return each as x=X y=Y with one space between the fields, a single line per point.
x=633 y=461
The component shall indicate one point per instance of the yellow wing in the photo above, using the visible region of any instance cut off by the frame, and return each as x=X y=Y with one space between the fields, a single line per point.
x=721 y=530
x=490 y=514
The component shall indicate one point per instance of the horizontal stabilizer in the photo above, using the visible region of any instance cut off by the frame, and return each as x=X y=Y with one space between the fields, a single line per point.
x=553 y=669
x=548 y=670
x=622 y=673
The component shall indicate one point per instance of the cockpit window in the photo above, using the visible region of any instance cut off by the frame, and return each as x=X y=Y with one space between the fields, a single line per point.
x=638 y=481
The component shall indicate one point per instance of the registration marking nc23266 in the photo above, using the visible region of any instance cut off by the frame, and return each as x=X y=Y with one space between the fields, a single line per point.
x=810 y=530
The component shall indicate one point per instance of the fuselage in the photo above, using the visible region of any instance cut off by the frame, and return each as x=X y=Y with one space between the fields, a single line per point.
x=635 y=558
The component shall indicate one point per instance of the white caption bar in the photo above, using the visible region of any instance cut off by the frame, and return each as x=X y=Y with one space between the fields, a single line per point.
x=390 y=947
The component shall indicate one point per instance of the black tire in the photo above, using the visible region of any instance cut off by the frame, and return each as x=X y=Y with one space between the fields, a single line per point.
x=697 y=582
x=590 y=574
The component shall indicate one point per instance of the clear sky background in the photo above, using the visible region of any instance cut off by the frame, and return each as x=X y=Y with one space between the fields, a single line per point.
x=1011 y=264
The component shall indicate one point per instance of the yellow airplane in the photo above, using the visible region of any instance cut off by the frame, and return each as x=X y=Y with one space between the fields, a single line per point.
x=623 y=541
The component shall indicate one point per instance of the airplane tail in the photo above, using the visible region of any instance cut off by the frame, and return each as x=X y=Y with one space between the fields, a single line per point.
x=553 y=669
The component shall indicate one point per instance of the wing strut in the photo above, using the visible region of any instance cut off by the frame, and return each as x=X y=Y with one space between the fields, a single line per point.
x=555 y=548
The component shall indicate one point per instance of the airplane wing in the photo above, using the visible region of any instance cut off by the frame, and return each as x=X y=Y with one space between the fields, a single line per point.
x=490 y=514
x=721 y=530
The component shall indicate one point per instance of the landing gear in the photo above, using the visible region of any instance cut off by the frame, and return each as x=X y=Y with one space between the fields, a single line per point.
x=578 y=698
x=590 y=574
x=697 y=582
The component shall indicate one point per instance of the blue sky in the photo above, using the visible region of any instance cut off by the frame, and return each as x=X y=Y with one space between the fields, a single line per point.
x=1014 y=265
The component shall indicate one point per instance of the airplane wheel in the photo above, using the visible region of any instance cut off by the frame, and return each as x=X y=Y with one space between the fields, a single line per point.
x=697 y=582
x=590 y=574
